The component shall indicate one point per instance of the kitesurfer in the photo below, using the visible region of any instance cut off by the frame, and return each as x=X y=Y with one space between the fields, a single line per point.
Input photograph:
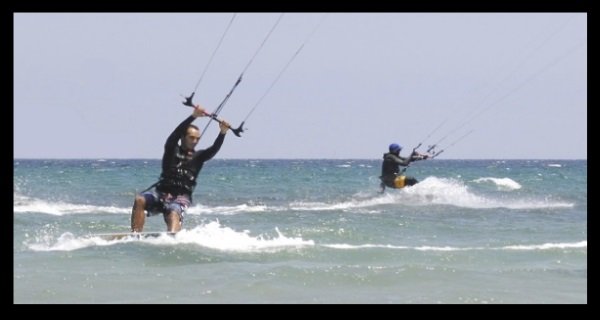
x=390 y=168
x=181 y=164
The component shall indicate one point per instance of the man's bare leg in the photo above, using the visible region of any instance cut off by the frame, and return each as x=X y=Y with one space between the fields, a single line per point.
x=138 y=216
x=173 y=222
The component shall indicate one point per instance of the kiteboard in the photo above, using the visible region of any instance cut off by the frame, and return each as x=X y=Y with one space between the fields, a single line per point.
x=132 y=235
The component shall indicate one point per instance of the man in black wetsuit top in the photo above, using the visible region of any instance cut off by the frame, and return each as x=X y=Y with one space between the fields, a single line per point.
x=390 y=168
x=181 y=165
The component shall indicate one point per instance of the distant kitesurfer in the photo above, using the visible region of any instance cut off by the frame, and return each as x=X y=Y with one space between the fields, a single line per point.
x=181 y=164
x=390 y=168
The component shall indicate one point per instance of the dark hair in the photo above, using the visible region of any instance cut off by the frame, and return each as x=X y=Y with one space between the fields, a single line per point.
x=186 y=130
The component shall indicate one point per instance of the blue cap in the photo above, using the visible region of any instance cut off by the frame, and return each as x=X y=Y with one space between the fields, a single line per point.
x=394 y=147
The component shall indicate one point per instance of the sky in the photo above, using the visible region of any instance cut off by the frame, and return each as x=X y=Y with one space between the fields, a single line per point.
x=477 y=85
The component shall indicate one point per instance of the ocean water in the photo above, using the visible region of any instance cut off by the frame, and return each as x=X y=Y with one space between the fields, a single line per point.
x=306 y=231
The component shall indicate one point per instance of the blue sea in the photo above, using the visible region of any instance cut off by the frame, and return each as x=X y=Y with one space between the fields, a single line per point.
x=306 y=231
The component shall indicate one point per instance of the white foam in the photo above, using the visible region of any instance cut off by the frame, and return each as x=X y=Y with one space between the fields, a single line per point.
x=432 y=190
x=211 y=235
x=23 y=204
x=502 y=183
x=547 y=246
x=453 y=192
x=226 y=210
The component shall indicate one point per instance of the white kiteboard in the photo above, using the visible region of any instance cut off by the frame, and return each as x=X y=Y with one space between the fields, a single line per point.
x=132 y=235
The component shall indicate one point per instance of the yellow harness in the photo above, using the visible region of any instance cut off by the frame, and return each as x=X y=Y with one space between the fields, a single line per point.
x=400 y=182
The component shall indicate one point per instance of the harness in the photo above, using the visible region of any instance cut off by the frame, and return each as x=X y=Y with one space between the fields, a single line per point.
x=180 y=178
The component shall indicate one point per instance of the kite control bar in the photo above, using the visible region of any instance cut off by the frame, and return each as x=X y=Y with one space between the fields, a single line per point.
x=236 y=131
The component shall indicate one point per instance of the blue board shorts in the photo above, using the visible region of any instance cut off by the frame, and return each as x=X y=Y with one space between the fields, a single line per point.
x=165 y=203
